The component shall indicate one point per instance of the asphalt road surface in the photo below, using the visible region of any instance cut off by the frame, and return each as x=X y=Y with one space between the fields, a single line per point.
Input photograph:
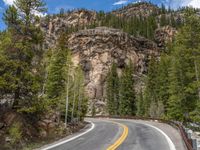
x=116 y=134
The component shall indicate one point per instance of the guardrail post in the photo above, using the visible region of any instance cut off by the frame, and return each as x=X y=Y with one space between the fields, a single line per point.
x=198 y=144
x=189 y=134
x=194 y=144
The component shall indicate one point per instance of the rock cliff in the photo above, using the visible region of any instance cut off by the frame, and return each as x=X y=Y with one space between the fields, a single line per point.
x=164 y=35
x=144 y=9
x=52 y=26
x=96 y=49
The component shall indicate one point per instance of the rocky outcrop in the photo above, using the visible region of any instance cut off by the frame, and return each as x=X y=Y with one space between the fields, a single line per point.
x=144 y=9
x=164 y=35
x=54 y=25
x=96 y=49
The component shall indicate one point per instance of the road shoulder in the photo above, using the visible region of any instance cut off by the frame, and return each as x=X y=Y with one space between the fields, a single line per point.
x=89 y=127
x=170 y=131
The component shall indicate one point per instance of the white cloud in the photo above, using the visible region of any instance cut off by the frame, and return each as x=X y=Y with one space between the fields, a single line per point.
x=194 y=3
x=8 y=2
x=121 y=2
x=137 y=1
x=11 y=2
x=39 y=14
x=182 y=3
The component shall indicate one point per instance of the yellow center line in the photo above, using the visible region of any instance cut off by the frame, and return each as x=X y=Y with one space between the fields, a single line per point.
x=121 y=139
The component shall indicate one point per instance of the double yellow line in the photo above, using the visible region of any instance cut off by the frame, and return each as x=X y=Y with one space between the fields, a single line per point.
x=121 y=139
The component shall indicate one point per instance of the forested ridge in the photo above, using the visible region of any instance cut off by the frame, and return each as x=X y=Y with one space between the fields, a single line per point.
x=43 y=91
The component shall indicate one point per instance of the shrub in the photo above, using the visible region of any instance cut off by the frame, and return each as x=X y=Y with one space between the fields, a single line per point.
x=15 y=133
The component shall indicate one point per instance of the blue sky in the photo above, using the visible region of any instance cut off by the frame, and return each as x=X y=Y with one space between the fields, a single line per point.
x=106 y=5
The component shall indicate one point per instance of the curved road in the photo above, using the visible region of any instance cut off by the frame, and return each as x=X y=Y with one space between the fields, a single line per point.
x=116 y=134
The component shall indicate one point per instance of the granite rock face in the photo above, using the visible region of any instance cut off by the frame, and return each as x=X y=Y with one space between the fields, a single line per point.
x=54 y=25
x=164 y=35
x=96 y=49
x=144 y=9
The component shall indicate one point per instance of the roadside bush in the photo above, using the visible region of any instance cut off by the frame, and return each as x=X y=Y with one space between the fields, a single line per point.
x=15 y=133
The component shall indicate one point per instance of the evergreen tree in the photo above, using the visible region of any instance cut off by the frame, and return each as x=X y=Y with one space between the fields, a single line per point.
x=55 y=85
x=186 y=52
x=176 y=91
x=150 y=93
x=56 y=77
x=82 y=99
x=62 y=12
x=112 y=90
x=163 y=81
x=140 y=104
x=127 y=92
x=23 y=49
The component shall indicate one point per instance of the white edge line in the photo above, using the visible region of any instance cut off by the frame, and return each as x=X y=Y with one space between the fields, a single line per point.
x=73 y=138
x=171 y=144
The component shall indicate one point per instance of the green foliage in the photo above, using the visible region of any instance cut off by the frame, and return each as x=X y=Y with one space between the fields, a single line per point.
x=62 y=12
x=185 y=68
x=172 y=88
x=150 y=93
x=121 y=97
x=140 y=104
x=127 y=104
x=55 y=85
x=15 y=132
x=20 y=48
x=195 y=115
x=65 y=82
x=11 y=17
x=112 y=91
x=163 y=81
x=93 y=110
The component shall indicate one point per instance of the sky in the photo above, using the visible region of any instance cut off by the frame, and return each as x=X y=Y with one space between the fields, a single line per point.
x=55 y=5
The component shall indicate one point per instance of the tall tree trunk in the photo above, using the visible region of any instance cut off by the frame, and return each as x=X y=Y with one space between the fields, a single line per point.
x=79 y=104
x=67 y=99
x=17 y=91
x=74 y=100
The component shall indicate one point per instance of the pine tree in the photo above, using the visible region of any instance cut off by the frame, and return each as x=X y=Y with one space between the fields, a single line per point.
x=78 y=106
x=127 y=105
x=82 y=99
x=24 y=48
x=163 y=81
x=150 y=92
x=69 y=74
x=186 y=52
x=140 y=104
x=112 y=90
x=177 y=96
x=195 y=115
x=56 y=77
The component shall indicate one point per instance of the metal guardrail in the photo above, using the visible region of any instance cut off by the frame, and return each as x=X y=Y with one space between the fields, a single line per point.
x=187 y=141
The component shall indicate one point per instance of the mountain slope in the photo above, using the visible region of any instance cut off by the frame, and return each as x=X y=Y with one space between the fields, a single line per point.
x=96 y=47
